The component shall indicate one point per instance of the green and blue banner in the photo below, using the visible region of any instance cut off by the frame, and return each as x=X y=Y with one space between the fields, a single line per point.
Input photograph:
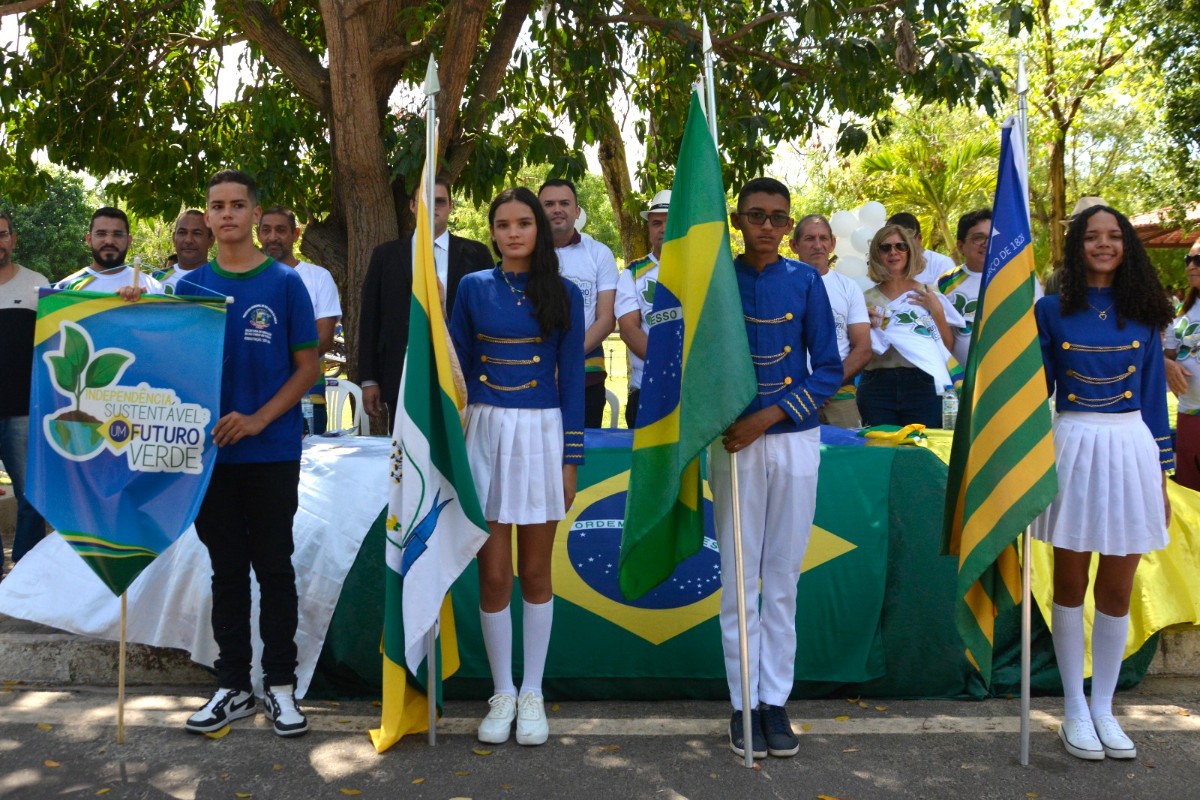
x=123 y=400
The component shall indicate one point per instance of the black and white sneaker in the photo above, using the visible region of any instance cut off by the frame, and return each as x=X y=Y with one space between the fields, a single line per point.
x=224 y=707
x=280 y=702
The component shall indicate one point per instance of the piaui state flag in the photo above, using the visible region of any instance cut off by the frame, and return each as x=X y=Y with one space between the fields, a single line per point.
x=698 y=376
x=119 y=447
x=435 y=524
x=1002 y=462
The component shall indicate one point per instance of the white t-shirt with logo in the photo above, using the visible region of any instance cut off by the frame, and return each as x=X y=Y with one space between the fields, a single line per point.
x=89 y=280
x=591 y=267
x=848 y=304
x=635 y=292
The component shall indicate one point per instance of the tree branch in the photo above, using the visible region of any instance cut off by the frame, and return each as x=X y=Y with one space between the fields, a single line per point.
x=10 y=7
x=292 y=58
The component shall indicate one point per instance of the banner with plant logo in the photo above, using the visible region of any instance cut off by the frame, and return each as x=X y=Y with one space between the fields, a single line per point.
x=123 y=400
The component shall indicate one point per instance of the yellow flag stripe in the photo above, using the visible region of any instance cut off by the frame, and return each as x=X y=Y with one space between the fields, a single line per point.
x=1017 y=481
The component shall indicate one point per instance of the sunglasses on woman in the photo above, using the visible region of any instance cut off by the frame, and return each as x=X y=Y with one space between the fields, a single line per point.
x=1191 y=261
x=887 y=247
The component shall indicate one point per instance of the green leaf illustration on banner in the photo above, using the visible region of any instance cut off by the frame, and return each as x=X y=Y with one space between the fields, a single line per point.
x=77 y=352
x=104 y=370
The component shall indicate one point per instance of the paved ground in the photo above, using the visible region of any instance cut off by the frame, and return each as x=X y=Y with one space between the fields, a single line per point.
x=60 y=742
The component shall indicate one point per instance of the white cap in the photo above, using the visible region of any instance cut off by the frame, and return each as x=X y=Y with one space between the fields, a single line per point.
x=659 y=205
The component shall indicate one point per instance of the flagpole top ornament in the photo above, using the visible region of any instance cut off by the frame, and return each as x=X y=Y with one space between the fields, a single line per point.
x=431 y=78
x=706 y=39
x=1022 y=79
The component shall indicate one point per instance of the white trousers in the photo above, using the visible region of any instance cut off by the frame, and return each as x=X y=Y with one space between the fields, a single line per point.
x=777 y=486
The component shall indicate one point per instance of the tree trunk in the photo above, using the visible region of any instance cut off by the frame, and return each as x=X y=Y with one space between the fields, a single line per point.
x=362 y=188
x=615 y=168
x=1057 y=191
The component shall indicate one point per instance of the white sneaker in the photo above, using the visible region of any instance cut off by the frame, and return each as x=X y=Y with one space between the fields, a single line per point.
x=498 y=723
x=1116 y=743
x=223 y=707
x=532 y=727
x=283 y=713
x=1079 y=737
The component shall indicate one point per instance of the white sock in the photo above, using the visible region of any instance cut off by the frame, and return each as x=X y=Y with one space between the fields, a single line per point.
x=1108 y=648
x=1068 y=652
x=497 y=640
x=537 y=622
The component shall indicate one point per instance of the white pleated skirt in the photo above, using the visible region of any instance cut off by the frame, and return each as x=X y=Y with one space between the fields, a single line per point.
x=1109 y=486
x=516 y=457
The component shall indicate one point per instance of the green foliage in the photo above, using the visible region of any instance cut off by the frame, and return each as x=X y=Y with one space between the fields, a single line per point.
x=470 y=220
x=50 y=228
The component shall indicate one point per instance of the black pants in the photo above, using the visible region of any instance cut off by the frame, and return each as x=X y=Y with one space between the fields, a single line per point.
x=631 y=405
x=246 y=521
x=593 y=405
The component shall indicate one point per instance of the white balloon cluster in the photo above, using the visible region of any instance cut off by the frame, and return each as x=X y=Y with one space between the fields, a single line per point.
x=854 y=231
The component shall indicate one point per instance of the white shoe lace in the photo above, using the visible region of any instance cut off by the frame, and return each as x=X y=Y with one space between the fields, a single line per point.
x=530 y=707
x=1109 y=730
x=218 y=697
x=501 y=706
x=285 y=702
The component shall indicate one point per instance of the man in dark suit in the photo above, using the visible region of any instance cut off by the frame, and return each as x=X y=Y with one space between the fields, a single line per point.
x=387 y=293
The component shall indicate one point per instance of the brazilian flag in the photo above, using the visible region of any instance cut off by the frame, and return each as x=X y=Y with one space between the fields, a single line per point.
x=698 y=376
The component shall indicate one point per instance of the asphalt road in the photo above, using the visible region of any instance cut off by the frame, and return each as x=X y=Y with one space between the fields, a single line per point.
x=61 y=743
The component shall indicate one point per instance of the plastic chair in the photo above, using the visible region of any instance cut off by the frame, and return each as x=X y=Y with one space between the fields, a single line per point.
x=614 y=407
x=337 y=393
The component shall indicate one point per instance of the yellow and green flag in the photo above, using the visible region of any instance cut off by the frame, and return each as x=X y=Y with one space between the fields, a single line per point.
x=1002 y=462
x=698 y=376
x=435 y=524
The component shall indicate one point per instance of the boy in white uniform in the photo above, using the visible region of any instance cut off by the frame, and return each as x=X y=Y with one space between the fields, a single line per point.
x=635 y=299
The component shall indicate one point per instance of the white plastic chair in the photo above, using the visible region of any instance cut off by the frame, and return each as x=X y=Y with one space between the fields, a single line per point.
x=337 y=393
x=614 y=407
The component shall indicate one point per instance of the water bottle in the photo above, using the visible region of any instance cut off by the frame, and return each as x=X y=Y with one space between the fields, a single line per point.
x=306 y=408
x=949 y=408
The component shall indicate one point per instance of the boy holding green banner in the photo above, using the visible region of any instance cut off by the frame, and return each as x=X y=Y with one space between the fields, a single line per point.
x=793 y=346
x=246 y=518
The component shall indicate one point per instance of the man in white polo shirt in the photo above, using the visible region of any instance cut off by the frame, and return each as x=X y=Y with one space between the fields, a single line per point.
x=590 y=266
x=277 y=233
x=812 y=242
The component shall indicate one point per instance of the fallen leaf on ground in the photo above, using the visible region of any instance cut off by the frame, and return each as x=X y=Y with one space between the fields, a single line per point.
x=1051 y=726
x=841 y=719
x=479 y=751
x=12 y=683
x=351 y=792
x=864 y=705
x=343 y=721
x=850 y=750
x=1183 y=712
x=418 y=781
x=712 y=775
x=826 y=797
x=462 y=773
x=881 y=708
x=554 y=707
x=218 y=734
x=45 y=726
x=105 y=790
x=608 y=748
x=51 y=764
x=853 y=700
x=1031 y=794
x=377 y=703
x=277 y=767
x=806 y=727
x=243 y=795
x=506 y=787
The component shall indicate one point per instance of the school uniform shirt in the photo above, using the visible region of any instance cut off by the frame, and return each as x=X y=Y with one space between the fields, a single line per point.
x=591 y=267
x=1183 y=336
x=1094 y=365
x=635 y=292
x=961 y=287
x=789 y=325
x=271 y=318
x=90 y=280
x=170 y=277
x=507 y=360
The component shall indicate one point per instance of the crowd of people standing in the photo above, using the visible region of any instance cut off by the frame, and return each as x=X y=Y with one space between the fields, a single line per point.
x=528 y=320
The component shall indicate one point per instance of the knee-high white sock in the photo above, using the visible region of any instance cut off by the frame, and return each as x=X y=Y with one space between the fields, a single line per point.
x=497 y=640
x=1108 y=647
x=537 y=622
x=1068 y=652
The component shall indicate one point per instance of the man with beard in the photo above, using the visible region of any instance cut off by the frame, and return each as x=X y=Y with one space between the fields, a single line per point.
x=277 y=233
x=589 y=265
x=18 y=314
x=108 y=237
x=192 y=239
